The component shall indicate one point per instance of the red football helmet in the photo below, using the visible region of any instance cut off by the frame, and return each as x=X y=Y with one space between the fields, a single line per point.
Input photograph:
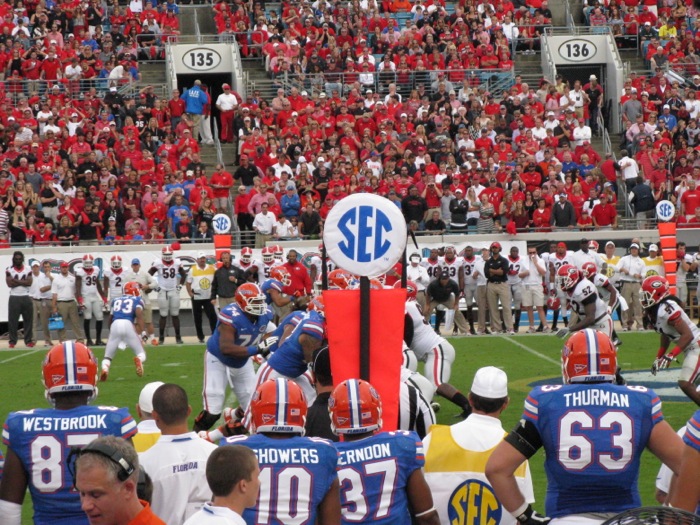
x=132 y=288
x=278 y=405
x=167 y=254
x=70 y=367
x=267 y=255
x=246 y=255
x=250 y=299
x=116 y=262
x=588 y=356
x=568 y=277
x=279 y=252
x=553 y=302
x=282 y=275
x=593 y=245
x=411 y=289
x=355 y=408
x=589 y=269
x=654 y=289
x=317 y=305
x=340 y=279
x=88 y=261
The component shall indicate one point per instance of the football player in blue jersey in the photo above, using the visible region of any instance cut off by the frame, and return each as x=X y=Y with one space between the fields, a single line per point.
x=686 y=494
x=298 y=478
x=238 y=337
x=273 y=288
x=593 y=433
x=127 y=324
x=380 y=472
x=291 y=358
x=39 y=441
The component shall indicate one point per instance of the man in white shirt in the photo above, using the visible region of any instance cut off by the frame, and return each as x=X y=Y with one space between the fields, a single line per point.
x=532 y=271
x=263 y=223
x=227 y=103
x=632 y=270
x=630 y=169
x=40 y=292
x=177 y=462
x=63 y=302
x=584 y=255
x=419 y=275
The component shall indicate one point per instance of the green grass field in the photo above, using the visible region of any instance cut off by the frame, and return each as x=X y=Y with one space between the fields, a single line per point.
x=526 y=359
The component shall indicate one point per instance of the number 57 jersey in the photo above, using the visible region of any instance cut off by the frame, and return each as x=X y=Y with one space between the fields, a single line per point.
x=594 y=436
x=42 y=439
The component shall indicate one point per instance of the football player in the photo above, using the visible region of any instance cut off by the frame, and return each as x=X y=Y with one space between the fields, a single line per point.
x=666 y=315
x=91 y=299
x=385 y=485
x=687 y=492
x=453 y=264
x=291 y=358
x=248 y=264
x=606 y=291
x=434 y=350
x=593 y=433
x=581 y=293
x=315 y=270
x=167 y=270
x=238 y=336
x=127 y=324
x=113 y=278
x=556 y=260
x=38 y=441
x=280 y=302
x=298 y=479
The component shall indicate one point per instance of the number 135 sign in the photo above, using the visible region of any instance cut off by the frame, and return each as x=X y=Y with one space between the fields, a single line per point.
x=577 y=50
x=201 y=59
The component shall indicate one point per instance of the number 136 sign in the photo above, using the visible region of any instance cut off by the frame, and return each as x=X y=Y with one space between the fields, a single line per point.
x=577 y=50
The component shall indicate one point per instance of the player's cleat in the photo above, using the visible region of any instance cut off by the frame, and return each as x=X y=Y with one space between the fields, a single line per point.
x=31 y=344
x=161 y=340
x=99 y=342
x=103 y=374
x=139 y=366
x=179 y=340
x=90 y=343
x=435 y=406
x=154 y=341
x=617 y=342
x=11 y=345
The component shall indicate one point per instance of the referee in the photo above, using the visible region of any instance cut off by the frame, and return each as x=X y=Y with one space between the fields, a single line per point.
x=496 y=271
x=199 y=284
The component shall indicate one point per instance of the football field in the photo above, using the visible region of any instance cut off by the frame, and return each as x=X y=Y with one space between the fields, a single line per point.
x=527 y=359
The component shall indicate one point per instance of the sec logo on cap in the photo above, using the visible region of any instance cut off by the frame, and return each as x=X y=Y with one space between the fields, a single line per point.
x=365 y=234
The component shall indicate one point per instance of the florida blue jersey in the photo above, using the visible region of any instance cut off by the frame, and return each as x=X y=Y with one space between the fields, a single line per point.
x=373 y=474
x=288 y=358
x=692 y=432
x=125 y=307
x=268 y=285
x=290 y=320
x=249 y=331
x=42 y=439
x=594 y=436
x=295 y=475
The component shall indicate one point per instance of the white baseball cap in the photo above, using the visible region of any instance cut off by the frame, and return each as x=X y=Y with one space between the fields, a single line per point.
x=490 y=382
x=653 y=248
x=201 y=254
x=146 y=396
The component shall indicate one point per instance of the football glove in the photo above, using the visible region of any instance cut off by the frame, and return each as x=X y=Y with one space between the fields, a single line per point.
x=178 y=287
x=661 y=363
x=156 y=289
x=531 y=517
x=562 y=333
x=265 y=344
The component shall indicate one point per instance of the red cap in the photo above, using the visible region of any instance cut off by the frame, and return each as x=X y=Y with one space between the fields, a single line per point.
x=64 y=264
x=561 y=245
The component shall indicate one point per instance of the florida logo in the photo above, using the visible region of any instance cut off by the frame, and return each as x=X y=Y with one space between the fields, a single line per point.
x=474 y=503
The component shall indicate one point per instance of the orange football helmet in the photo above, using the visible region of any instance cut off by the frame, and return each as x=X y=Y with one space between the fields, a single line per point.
x=340 y=279
x=278 y=405
x=355 y=408
x=69 y=367
x=132 y=288
x=317 y=305
x=282 y=275
x=251 y=299
x=588 y=356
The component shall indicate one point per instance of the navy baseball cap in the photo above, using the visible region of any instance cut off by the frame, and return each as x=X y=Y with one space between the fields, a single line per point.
x=135 y=261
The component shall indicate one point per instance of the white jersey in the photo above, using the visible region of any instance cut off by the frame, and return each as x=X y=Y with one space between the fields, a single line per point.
x=515 y=266
x=254 y=263
x=556 y=261
x=424 y=337
x=600 y=282
x=431 y=266
x=317 y=263
x=453 y=267
x=582 y=294
x=88 y=281
x=680 y=272
x=116 y=281
x=468 y=267
x=168 y=275
x=418 y=275
x=667 y=312
x=265 y=270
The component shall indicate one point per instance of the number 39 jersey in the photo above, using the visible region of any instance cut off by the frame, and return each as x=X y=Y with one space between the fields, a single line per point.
x=125 y=307
x=295 y=476
x=168 y=274
x=88 y=281
x=594 y=436
x=248 y=332
x=373 y=474
x=42 y=439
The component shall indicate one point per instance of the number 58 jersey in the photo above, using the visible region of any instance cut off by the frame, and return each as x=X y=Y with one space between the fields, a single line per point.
x=594 y=436
x=168 y=274
x=42 y=439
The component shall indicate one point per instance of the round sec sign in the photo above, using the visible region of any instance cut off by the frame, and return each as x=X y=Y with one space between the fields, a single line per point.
x=665 y=211
x=221 y=223
x=365 y=234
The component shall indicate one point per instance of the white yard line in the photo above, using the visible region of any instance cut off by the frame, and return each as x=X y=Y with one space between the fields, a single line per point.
x=23 y=354
x=530 y=350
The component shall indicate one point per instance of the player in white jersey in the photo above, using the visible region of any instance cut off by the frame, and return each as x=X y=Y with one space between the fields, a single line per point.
x=91 y=298
x=582 y=294
x=113 y=277
x=668 y=318
x=434 y=350
x=469 y=280
x=268 y=264
x=432 y=263
x=452 y=264
x=556 y=260
x=516 y=265
x=316 y=268
x=686 y=263
x=248 y=264
x=606 y=291
x=171 y=276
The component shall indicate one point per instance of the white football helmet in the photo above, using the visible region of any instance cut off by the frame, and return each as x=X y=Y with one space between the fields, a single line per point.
x=116 y=262
x=88 y=261
x=167 y=254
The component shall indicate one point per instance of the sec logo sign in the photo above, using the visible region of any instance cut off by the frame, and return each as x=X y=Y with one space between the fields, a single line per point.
x=221 y=223
x=365 y=234
x=665 y=210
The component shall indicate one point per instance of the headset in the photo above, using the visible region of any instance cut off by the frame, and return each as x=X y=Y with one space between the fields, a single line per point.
x=126 y=469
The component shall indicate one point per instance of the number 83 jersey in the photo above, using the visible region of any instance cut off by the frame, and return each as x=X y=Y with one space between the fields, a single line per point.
x=168 y=274
x=593 y=436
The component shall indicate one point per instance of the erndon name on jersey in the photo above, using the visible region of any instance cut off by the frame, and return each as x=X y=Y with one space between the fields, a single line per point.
x=52 y=424
x=376 y=451
x=596 y=397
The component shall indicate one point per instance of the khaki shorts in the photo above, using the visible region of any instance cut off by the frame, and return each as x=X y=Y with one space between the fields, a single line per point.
x=532 y=295
x=148 y=314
